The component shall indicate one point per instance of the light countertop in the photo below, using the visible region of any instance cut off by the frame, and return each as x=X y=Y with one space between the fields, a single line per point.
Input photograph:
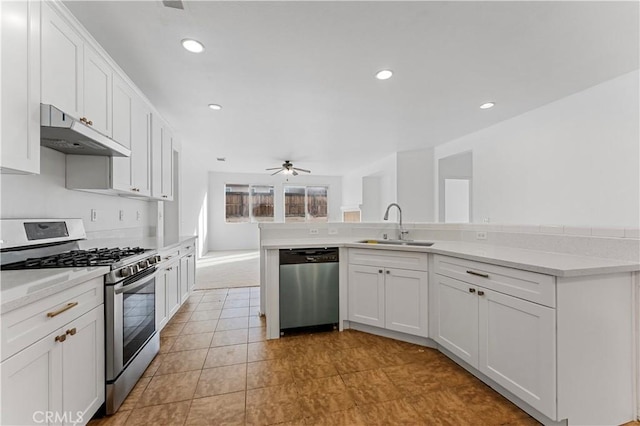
x=557 y=264
x=148 y=242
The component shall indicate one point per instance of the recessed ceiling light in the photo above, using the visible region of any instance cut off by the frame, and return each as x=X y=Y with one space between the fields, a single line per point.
x=221 y=158
x=193 y=46
x=215 y=107
x=384 y=74
x=487 y=105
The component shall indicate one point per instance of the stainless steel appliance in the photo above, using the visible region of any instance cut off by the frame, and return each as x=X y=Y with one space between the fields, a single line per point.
x=308 y=287
x=64 y=133
x=132 y=340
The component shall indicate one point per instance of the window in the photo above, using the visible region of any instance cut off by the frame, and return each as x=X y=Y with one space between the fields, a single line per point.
x=248 y=203
x=262 y=203
x=305 y=204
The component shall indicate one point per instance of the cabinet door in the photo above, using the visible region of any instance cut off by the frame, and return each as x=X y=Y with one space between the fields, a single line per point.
x=62 y=64
x=173 y=289
x=140 y=147
x=20 y=134
x=156 y=156
x=97 y=91
x=121 y=115
x=83 y=364
x=192 y=271
x=31 y=383
x=184 y=279
x=517 y=348
x=454 y=306
x=161 y=300
x=167 y=164
x=406 y=301
x=366 y=295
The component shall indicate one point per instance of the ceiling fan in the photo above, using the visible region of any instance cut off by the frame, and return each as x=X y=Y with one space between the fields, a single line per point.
x=288 y=169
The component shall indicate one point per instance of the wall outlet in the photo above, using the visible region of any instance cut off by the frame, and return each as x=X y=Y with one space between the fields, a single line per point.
x=481 y=235
x=138 y=215
x=333 y=231
x=94 y=215
x=121 y=215
x=313 y=231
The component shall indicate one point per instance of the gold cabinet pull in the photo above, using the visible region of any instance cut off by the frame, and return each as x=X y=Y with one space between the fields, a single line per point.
x=83 y=120
x=90 y=123
x=480 y=293
x=61 y=310
x=61 y=338
x=478 y=274
x=472 y=290
x=72 y=331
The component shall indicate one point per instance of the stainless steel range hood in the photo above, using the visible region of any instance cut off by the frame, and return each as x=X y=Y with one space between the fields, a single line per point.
x=64 y=133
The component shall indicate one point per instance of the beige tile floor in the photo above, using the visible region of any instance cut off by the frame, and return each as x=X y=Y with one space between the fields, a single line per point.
x=215 y=367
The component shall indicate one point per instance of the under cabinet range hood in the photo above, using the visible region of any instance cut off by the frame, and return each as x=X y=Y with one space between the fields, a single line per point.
x=66 y=134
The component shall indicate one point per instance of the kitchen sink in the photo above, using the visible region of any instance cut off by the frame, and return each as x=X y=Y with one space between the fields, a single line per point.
x=398 y=242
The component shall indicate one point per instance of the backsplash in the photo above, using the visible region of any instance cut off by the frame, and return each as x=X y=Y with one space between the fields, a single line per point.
x=45 y=196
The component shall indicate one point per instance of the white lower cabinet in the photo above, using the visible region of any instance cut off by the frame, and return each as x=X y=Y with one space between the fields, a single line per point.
x=388 y=297
x=510 y=340
x=60 y=378
x=171 y=276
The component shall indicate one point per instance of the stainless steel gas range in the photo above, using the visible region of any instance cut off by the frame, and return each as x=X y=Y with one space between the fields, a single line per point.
x=131 y=338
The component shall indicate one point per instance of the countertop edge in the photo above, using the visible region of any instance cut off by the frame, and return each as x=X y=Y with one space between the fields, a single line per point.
x=55 y=287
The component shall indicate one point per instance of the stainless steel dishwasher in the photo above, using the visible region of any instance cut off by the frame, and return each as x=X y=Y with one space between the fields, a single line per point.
x=308 y=287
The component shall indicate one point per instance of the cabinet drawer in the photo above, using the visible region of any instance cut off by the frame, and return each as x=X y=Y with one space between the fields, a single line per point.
x=389 y=259
x=537 y=288
x=187 y=247
x=26 y=325
x=170 y=254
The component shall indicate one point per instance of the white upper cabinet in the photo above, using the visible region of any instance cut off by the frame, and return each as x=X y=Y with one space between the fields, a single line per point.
x=121 y=117
x=75 y=78
x=62 y=64
x=97 y=92
x=161 y=160
x=20 y=87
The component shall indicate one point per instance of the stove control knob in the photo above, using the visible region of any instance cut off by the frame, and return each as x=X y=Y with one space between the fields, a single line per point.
x=142 y=265
x=156 y=259
x=125 y=272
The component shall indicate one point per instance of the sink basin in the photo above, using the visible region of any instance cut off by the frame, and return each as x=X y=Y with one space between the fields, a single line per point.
x=399 y=242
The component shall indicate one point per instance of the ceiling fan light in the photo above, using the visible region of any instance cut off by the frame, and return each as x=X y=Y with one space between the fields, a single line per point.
x=215 y=107
x=487 y=105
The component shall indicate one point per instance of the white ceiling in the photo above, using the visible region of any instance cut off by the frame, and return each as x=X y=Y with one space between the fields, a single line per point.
x=296 y=79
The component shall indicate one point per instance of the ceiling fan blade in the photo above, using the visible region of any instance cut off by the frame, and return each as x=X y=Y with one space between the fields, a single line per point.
x=279 y=171
x=294 y=172
x=175 y=4
x=302 y=170
x=275 y=168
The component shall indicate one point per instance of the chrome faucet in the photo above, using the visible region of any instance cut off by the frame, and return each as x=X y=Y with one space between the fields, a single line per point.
x=386 y=217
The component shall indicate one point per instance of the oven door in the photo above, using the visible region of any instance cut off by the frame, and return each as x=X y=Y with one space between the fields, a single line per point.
x=131 y=319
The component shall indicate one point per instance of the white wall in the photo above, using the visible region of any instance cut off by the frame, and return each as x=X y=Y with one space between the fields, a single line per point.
x=237 y=236
x=384 y=172
x=194 y=198
x=45 y=196
x=416 y=185
x=573 y=162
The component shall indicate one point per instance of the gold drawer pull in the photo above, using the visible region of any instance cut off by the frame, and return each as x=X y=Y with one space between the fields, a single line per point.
x=61 y=310
x=72 y=332
x=61 y=338
x=479 y=274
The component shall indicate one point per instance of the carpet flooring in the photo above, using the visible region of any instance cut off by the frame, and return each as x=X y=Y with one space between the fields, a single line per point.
x=228 y=269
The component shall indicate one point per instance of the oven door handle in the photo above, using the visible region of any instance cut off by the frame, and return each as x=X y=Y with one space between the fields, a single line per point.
x=121 y=289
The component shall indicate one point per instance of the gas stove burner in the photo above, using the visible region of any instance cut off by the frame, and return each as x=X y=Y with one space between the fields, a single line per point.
x=78 y=258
